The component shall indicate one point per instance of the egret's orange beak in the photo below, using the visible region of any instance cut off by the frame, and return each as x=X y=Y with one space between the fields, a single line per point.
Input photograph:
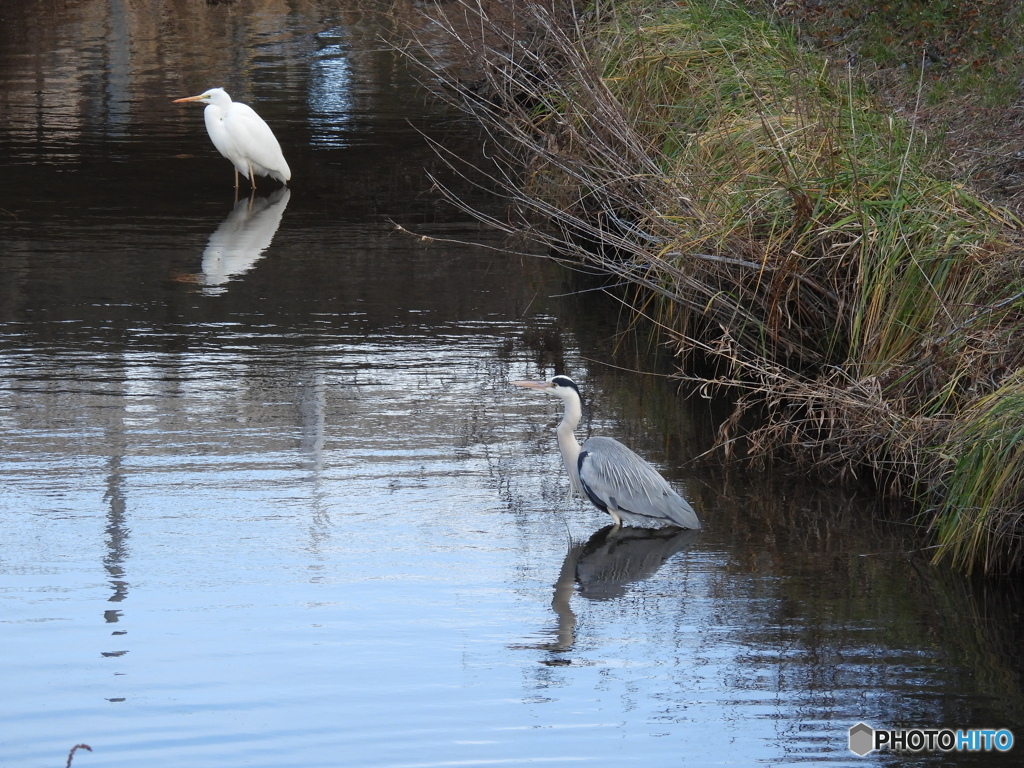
x=188 y=98
x=532 y=384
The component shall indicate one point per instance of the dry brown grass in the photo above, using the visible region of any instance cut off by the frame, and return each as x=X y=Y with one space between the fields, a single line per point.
x=785 y=233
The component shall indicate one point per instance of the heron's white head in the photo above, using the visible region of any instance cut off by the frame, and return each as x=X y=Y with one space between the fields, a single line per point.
x=560 y=386
x=212 y=96
x=564 y=389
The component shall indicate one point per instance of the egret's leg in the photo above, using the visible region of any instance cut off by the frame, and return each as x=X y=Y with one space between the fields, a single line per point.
x=252 y=178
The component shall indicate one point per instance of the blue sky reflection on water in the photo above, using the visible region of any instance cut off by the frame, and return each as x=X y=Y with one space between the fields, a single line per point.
x=327 y=539
x=268 y=498
x=351 y=548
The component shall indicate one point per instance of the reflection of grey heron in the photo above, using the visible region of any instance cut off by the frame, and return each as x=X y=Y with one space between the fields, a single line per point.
x=242 y=137
x=609 y=474
x=237 y=244
x=614 y=557
x=610 y=560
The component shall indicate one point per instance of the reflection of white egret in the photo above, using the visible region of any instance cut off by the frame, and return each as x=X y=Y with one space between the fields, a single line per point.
x=605 y=471
x=237 y=244
x=242 y=137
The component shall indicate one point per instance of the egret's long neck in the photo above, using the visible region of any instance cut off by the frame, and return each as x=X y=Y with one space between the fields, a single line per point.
x=567 y=445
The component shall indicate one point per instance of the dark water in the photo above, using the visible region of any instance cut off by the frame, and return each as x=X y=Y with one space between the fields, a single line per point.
x=268 y=498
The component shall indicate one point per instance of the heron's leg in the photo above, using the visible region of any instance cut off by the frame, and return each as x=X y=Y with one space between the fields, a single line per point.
x=252 y=178
x=613 y=511
x=236 y=182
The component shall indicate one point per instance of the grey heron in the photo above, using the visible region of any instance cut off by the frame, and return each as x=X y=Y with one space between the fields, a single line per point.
x=242 y=137
x=608 y=473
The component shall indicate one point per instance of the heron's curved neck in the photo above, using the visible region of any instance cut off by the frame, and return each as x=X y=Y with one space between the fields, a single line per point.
x=567 y=444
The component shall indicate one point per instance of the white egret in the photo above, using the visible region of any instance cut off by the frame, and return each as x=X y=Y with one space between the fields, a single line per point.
x=242 y=137
x=605 y=471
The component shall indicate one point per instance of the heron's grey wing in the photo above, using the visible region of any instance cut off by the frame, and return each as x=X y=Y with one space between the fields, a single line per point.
x=614 y=477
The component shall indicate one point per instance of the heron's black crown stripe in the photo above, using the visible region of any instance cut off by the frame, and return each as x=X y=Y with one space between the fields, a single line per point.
x=565 y=381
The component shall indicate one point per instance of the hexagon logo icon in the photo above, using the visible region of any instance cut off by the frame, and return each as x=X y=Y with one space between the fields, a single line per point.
x=862 y=738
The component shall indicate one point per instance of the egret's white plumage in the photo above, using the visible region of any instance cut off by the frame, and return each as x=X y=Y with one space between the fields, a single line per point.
x=605 y=471
x=242 y=137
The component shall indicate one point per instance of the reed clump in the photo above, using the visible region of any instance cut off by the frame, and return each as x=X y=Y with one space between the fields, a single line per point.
x=978 y=519
x=791 y=238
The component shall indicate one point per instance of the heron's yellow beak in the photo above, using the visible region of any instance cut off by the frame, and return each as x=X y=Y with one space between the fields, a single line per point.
x=189 y=98
x=532 y=384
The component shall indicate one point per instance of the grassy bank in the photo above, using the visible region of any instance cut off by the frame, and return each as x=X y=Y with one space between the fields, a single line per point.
x=803 y=248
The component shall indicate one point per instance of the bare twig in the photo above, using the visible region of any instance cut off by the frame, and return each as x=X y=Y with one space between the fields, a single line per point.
x=75 y=748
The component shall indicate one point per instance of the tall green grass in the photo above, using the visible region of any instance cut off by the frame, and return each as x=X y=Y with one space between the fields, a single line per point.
x=860 y=253
x=978 y=523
